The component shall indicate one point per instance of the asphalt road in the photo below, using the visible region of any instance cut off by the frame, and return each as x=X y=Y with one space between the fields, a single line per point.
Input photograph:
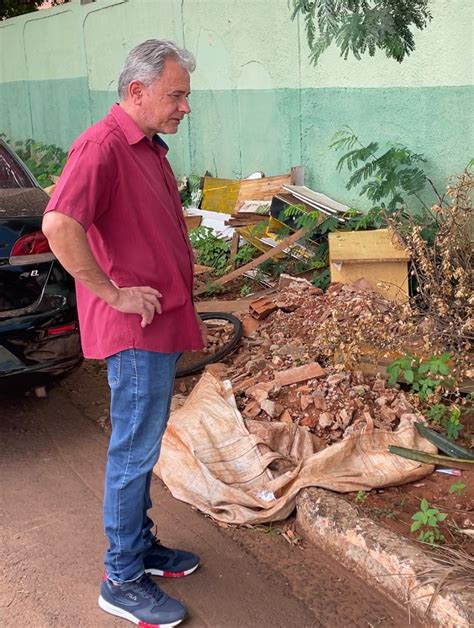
x=52 y=460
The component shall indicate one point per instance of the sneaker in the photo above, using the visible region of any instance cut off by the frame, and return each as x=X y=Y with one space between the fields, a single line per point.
x=141 y=602
x=170 y=563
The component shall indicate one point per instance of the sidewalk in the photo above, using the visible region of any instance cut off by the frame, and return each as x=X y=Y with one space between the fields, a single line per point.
x=52 y=468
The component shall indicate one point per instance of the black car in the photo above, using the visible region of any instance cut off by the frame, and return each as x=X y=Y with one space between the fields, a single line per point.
x=39 y=332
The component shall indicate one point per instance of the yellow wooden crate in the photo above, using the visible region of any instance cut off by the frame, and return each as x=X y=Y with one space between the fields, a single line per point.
x=373 y=255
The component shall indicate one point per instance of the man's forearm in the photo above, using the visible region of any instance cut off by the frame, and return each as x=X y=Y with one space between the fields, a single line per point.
x=69 y=243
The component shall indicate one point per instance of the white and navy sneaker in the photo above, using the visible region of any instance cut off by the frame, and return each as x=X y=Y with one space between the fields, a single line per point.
x=142 y=602
x=170 y=563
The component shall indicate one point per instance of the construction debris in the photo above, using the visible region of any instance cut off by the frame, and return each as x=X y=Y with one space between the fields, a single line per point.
x=276 y=374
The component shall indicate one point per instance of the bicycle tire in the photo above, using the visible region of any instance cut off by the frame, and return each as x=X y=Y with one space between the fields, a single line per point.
x=225 y=350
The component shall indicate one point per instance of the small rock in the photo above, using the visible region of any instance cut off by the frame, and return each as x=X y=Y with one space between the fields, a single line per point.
x=272 y=408
x=358 y=377
x=256 y=365
x=334 y=380
x=305 y=401
x=258 y=393
x=319 y=401
x=325 y=420
x=286 y=416
x=401 y=406
x=303 y=389
x=40 y=392
x=293 y=350
x=387 y=414
x=308 y=421
x=378 y=385
x=345 y=417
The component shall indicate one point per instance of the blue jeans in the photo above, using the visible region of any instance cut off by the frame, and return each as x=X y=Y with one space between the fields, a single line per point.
x=141 y=384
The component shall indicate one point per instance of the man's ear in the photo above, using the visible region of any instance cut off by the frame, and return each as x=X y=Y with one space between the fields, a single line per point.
x=135 y=92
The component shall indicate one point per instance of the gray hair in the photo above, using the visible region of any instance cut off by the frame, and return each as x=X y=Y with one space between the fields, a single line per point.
x=146 y=61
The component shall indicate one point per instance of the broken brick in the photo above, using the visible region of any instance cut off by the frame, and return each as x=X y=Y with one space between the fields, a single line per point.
x=252 y=410
x=249 y=325
x=299 y=374
x=261 y=308
x=218 y=369
x=286 y=281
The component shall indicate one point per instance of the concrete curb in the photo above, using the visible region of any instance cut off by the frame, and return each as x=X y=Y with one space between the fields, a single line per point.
x=380 y=557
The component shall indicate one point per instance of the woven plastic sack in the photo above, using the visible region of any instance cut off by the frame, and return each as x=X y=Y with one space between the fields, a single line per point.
x=251 y=472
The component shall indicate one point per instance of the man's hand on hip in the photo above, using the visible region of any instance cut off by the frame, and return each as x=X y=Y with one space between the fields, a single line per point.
x=141 y=300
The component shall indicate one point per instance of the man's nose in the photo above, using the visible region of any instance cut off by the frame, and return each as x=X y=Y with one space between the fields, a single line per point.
x=184 y=106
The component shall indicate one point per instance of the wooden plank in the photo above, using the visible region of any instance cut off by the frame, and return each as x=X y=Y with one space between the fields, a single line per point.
x=256 y=262
x=234 y=249
x=238 y=305
x=199 y=269
x=365 y=245
x=262 y=189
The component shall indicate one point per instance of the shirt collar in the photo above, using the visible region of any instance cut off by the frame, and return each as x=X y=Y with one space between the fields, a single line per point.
x=133 y=133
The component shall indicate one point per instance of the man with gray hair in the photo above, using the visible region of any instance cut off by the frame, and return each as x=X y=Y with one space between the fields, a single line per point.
x=116 y=224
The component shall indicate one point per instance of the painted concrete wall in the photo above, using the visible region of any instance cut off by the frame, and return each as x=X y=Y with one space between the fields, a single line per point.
x=257 y=102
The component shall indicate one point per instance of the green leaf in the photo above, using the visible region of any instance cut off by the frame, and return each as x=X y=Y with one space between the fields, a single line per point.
x=419 y=516
x=424 y=504
x=409 y=376
x=442 y=516
x=415 y=526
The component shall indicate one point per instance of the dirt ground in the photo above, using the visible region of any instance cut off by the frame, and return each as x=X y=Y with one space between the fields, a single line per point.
x=52 y=464
x=394 y=507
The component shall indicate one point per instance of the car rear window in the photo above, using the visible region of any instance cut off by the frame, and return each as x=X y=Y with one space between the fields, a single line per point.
x=11 y=172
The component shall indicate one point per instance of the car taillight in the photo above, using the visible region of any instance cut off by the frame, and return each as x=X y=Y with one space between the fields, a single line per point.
x=61 y=329
x=31 y=249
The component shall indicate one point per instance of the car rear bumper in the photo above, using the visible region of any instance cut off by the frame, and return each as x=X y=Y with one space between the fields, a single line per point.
x=39 y=363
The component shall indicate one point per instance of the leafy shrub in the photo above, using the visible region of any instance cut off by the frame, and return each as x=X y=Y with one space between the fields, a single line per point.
x=43 y=160
x=214 y=251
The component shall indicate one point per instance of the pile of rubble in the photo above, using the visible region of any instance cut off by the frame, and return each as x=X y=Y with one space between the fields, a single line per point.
x=276 y=374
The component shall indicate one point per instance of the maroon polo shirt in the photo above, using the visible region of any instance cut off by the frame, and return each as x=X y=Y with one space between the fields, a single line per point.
x=119 y=186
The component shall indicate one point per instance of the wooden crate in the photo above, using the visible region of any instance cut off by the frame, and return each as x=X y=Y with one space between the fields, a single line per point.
x=372 y=255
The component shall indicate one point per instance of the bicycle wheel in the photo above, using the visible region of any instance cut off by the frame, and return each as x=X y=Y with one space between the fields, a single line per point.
x=229 y=345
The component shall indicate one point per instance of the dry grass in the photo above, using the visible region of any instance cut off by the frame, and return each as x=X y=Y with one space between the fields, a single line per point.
x=454 y=570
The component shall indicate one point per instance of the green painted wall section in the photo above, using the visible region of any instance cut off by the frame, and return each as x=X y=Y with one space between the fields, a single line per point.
x=257 y=102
